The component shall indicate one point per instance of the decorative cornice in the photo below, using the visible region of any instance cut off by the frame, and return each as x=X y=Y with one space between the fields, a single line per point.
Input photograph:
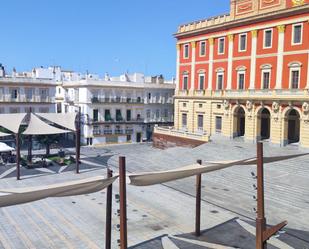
x=193 y=44
x=178 y=47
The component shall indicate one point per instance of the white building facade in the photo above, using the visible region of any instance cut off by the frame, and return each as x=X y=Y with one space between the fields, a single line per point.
x=20 y=91
x=119 y=109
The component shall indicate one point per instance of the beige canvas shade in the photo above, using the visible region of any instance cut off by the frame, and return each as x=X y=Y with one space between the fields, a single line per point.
x=38 y=127
x=17 y=196
x=66 y=120
x=12 y=121
x=2 y=134
x=152 y=178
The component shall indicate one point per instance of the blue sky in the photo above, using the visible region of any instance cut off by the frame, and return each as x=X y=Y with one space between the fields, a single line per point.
x=100 y=36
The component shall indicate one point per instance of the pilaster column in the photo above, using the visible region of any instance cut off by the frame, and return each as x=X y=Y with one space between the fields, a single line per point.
x=211 y=61
x=193 y=45
x=281 y=29
x=253 y=58
x=177 y=67
x=230 y=62
x=307 y=86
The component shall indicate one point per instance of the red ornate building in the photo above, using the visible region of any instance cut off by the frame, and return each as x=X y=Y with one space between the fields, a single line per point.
x=246 y=74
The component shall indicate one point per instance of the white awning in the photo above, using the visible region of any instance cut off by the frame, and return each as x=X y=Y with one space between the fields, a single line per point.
x=152 y=178
x=38 y=127
x=5 y=148
x=2 y=134
x=17 y=196
x=66 y=120
x=12 y=121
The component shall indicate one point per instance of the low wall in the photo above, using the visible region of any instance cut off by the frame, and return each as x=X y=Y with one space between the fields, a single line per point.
x=163 y=141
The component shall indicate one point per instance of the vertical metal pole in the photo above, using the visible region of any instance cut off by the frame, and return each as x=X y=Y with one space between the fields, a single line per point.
x=17 y=156
x=29 y=157
x=78 y=141
x=260 y=220
x=198 y=203
x=108 y=230
x=123 y=203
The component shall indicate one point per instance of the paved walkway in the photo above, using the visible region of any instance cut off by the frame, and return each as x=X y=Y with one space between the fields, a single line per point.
x=162 y=215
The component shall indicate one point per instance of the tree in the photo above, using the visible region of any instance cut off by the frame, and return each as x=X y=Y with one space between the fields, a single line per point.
x=48 y=140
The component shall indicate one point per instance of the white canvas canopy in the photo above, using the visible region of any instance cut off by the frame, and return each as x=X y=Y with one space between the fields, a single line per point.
x=11 y=197
x=152 y=178
x=5 y=148
x=2 y=134
x=38 y=127
x=12 y=121
x=66 y=120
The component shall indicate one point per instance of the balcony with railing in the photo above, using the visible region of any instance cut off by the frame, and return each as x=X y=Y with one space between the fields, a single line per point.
x=119 y=131
x=248 y=94
x=129 y=131
x=107 y=131
x=120 y=100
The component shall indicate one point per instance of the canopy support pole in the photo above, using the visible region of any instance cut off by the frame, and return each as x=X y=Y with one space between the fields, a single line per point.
x=29 y=157
x=262 y=232
x=108 y=231
x=260 y=219
x=78 y=141
x=198 y=203
x=17 y=156
x=123 y=203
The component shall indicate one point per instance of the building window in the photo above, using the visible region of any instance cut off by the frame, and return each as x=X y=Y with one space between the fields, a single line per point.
x=266 y=79
x=297 y=34
x=157 y=113
x=96 y=130
x=201 y=81
x=14 y=93
x=185 y=82
x=107 y=115
x=29 y=93
x=295 y=78
x=200 y=122
x=14 y=110
x=184 y=120
x=268 y=37
x=43 y=110
x=218 y=124
x=1 y=93
x=118 y=115
x=148 y=113
x=219 y=81
x=166 y=113
x=295 y=70
x=95 y=115
x=242 y=42
x=241 y=80
x=1 y=110
x=149 y=95
x=128 y=115
x=221 y=46
x=202 y=48
x=186 y=51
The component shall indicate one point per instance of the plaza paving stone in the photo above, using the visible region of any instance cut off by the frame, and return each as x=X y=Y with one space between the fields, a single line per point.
x=161 y=210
